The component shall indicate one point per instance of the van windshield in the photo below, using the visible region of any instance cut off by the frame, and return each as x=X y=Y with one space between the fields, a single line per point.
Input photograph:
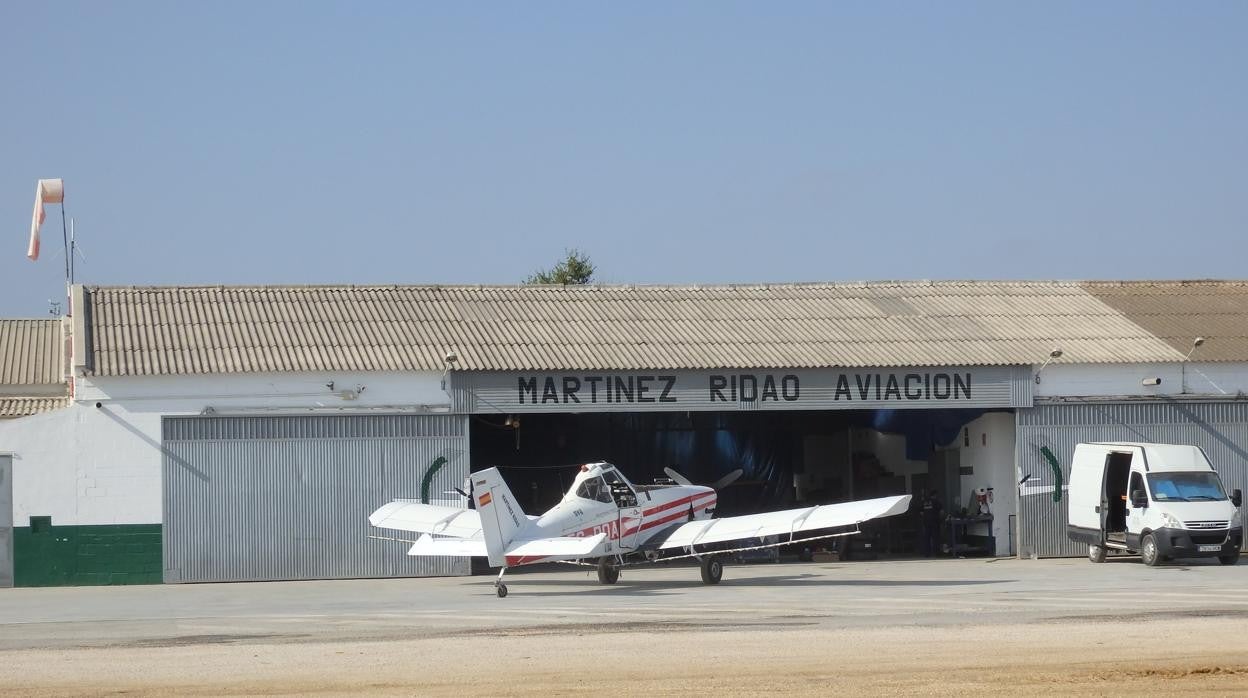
x=1186 y=487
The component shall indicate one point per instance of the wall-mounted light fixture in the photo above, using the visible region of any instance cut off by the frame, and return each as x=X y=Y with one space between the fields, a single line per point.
x=1195 y=343
x=1055 y=354
x=449 y=359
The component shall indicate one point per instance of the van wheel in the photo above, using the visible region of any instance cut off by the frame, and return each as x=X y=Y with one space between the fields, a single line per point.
x=1096 y=553
x=1148 y=550
x=1229 y=559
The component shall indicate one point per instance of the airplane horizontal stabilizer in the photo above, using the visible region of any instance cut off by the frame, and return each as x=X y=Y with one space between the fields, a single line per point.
x=452 y=547
x=406 y=515
x=784 y=523
x=525 y=552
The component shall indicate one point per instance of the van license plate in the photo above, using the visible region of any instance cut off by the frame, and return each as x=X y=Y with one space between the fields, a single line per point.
x=1210 y=548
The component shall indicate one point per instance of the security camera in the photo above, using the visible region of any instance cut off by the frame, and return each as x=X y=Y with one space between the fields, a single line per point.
x=451 y=357
x=1151 y=381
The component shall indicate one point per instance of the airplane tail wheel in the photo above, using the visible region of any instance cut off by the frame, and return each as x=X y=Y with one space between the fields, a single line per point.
x=607 y=572
x=712 y=569
x=501 y=589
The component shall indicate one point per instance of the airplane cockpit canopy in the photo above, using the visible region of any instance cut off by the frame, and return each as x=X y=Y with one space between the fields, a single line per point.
x=594 y=488
x=603 y=483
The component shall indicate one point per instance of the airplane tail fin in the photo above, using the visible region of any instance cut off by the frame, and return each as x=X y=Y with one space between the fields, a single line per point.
x=502 y=519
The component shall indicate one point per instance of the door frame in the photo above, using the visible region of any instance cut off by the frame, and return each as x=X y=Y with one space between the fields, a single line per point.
x=6 y=520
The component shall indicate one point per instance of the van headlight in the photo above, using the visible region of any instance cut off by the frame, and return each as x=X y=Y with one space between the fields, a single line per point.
x=1169 y=521
x=1237 y=519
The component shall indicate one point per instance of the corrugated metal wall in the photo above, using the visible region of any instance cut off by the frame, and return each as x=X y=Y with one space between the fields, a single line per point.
x=269 y=498
x=1221 y=429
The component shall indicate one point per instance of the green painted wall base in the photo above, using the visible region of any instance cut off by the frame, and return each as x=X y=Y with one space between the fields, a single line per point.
x=87 y=555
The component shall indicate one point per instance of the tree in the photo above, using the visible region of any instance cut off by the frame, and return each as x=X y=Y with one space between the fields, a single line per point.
x=575 y=270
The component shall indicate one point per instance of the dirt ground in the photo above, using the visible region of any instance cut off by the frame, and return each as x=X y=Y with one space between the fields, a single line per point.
x=1069 y=656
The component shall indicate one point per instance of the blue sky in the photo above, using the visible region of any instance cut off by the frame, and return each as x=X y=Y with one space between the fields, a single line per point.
x=274 y=142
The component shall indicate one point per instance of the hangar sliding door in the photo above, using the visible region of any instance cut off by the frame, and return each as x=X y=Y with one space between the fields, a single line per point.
x=271 y=498
x=1046 y=439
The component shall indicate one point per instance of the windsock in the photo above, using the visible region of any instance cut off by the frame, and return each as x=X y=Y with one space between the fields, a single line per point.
x=47 y=191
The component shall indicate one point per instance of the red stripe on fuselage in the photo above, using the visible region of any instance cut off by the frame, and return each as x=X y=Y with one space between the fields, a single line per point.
x=647 y=525
x=612 y=528
x=677 y=502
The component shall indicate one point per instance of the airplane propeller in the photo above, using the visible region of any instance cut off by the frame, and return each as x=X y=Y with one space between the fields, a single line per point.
x=718 y=484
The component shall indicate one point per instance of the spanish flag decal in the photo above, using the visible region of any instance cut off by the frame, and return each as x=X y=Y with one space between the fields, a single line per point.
x=484 y=499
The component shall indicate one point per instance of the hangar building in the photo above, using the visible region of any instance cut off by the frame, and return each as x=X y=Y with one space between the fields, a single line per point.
x=244 y=433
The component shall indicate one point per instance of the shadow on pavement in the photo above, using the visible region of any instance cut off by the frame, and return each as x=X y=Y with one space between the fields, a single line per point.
x=627 y=587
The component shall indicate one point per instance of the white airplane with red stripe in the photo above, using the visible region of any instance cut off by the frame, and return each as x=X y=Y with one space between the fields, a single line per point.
x=607 y=521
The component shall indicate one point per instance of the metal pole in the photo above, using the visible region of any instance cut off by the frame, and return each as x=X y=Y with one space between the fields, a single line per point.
x=68 y=252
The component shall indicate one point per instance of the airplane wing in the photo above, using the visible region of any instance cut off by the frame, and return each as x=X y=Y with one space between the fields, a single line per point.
x=404 y=515
x=783 y=523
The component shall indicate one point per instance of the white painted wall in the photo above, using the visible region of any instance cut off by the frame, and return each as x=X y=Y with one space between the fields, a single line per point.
x=88 y=465
x=891 y=450
x=1116 y=380
x=990 y=455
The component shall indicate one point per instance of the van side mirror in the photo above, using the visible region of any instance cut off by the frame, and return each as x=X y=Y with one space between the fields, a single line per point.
x=1139 y=499
x=1237 y=497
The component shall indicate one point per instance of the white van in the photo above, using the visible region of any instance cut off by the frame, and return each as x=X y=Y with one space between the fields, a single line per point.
x=1160 y=500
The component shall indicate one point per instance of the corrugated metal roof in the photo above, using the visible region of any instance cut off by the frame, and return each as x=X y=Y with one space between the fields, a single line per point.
x=1179 y=311
x=31 y=352
x=12 y=407
x=196 y=330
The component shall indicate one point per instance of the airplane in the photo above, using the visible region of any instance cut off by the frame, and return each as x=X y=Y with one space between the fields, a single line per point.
x=606 y=521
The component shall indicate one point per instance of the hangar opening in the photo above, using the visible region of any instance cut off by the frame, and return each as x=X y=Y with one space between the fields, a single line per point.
x=960 y=458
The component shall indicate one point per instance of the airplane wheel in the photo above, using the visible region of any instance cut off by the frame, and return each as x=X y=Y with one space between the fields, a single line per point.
x=502 y=591
x=712 y=570
x=607 y=572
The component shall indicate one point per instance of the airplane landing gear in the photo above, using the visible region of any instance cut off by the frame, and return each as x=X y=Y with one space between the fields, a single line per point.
x=608 y=573
x=499 y=587
x=712 y=569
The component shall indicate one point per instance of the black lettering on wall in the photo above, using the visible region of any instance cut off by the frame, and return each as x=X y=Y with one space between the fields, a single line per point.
x=668 y=383
x=915 y=379
x=940 y=386
x=963 y=385
x=718 y=383
x=528 y=386
x=593 y=387
x=623 y=391
x=571 y=386
x=643 y=387
x=769 y=389
x=842 y=388
x=549 y=394
x=790 y=389
x=752 y=381
x=864 y=389
x=893 y=389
